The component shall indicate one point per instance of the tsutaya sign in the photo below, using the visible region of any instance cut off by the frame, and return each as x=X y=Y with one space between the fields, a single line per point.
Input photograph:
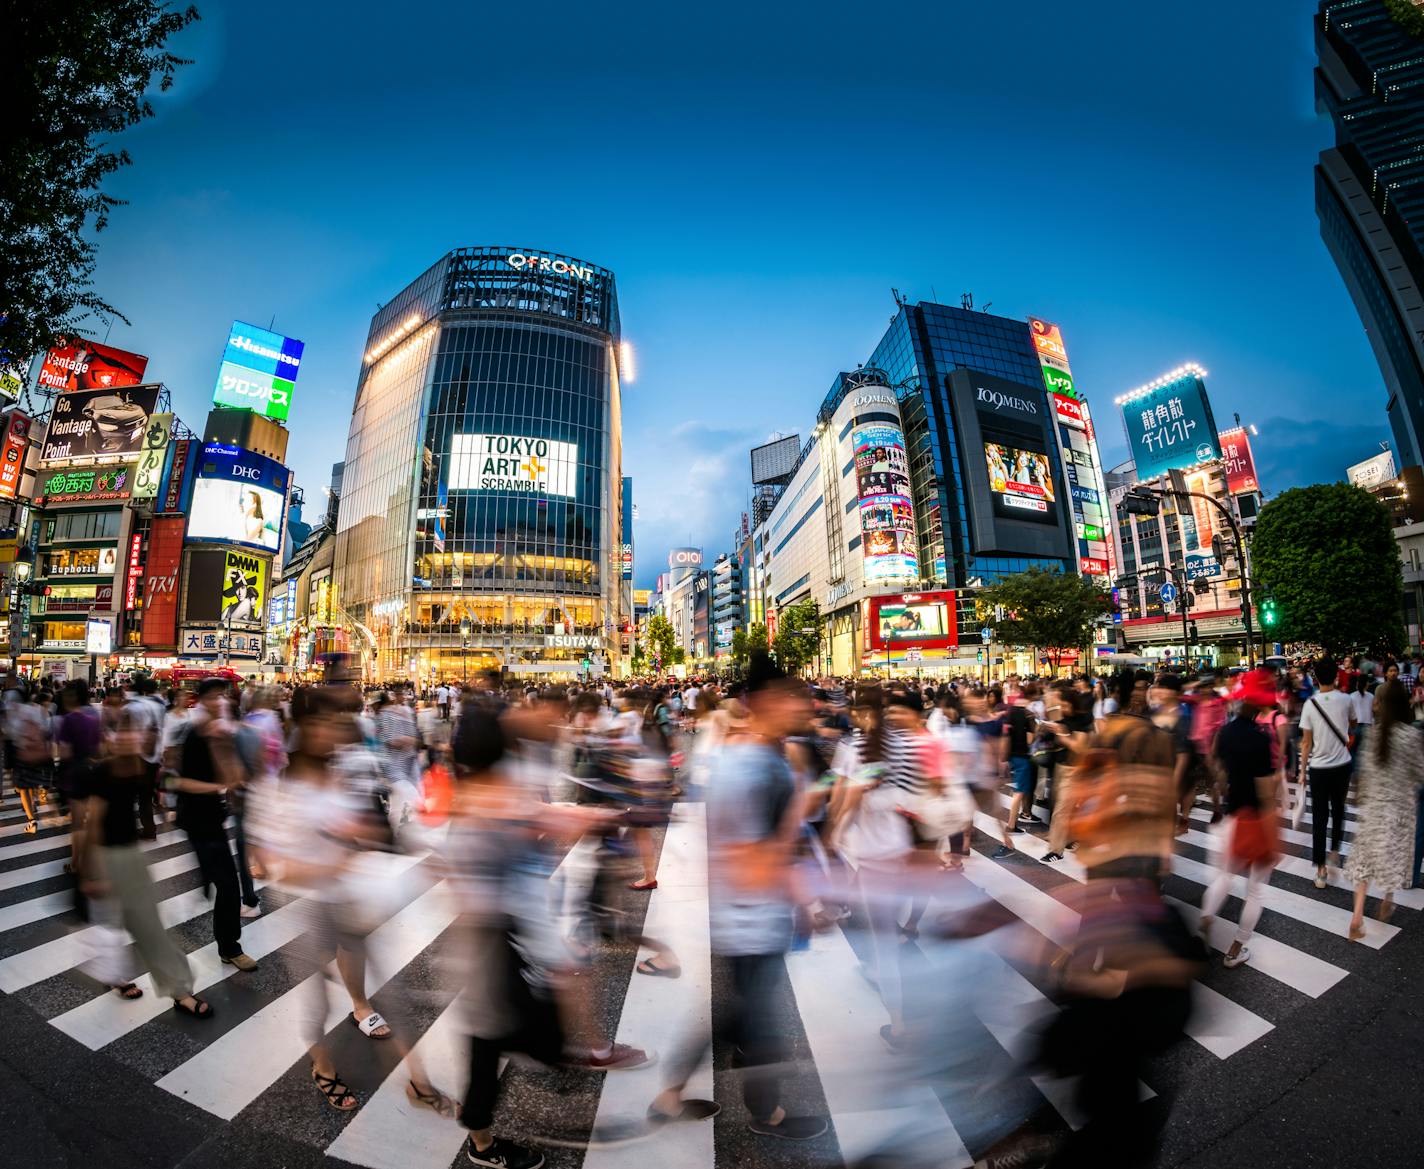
x=573 y=641
x=544 y=264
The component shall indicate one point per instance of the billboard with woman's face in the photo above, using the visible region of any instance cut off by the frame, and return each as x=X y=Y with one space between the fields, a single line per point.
x=239 y=497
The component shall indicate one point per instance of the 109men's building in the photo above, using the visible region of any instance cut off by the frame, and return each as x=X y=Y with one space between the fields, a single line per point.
x=481 y=516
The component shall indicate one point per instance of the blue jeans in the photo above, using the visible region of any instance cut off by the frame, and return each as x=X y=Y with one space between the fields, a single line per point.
x=1021 y=768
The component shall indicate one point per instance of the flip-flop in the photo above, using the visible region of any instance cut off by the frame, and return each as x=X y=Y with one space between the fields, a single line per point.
x=646 y=966
x=370 y=1025
x=643 y=886
x=127 y=990
x=435 y=1100
x=692 y=1109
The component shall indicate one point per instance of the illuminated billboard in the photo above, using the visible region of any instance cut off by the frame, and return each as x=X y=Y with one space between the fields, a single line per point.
x=88 y=365
x=244 y=594
x=887 y=516
x=12 y=453
x=99 y=425
x=1169 y=424
x=258 y=372
x=515 y=463
x=149 y=470
x=924 y=622
x=239 y=497
x=1021 y=482
x=1237 y=460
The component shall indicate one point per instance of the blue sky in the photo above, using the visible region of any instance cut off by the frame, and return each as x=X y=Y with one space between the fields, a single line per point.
x=759 y=178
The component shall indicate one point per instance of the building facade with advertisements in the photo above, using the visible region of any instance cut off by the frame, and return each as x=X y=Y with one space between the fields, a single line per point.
x=962 y=452
x=483 y=486
x=1188 y=546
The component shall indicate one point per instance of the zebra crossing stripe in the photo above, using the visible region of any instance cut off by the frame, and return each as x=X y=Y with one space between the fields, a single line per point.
x=1297 y=969
x=1218 y=1024
x=842 y=1016
x=1298 y=866
x=38 y=908
x=1288 y=835
x=106 y=1018
x=237 y=1067
x=388 y=1131
x=45 y=870
x=677 y=916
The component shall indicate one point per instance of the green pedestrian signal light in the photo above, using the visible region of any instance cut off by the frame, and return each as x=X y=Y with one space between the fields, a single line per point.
x=1270 y=615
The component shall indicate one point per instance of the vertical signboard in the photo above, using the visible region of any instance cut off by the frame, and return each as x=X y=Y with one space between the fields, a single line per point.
x=887 y=515
x=12 y=454
x=173 y=490
x=627 y=527
x=1237 y=461
x=134 y=572
x=148 y=474
x=1079 y=444
x=160 y=592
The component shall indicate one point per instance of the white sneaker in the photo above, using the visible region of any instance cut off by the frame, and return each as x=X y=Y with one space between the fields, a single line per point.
x=250 y=911
x=1320 y=878
x=1241 y=956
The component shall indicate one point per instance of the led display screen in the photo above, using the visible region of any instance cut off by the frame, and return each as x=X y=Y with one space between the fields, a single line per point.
x=925 y=621
x=88 y=365
x=887 y=517
x=258 y=371
x=239 y=498
x=1021 y=482
x=1170 y=427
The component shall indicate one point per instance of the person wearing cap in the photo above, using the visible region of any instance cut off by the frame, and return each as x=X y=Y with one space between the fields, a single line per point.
x=1244 y=750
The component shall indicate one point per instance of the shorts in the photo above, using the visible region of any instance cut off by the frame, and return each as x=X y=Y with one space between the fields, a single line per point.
x=1022 y=769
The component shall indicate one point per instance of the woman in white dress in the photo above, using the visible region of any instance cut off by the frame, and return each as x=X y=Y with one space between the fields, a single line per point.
x=1390 y=774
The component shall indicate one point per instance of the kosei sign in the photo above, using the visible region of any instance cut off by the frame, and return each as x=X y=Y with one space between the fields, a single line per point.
x=514 y=463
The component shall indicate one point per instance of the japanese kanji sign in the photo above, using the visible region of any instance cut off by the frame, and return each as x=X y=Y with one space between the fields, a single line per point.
x=1170 y=427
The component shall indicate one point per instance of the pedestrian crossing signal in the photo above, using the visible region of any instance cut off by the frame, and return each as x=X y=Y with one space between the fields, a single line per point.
x=1270 y=616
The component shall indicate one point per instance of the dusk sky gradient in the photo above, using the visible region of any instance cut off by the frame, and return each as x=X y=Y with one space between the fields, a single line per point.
x=759 y=178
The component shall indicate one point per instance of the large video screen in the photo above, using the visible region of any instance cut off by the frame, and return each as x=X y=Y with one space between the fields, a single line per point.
x=1021 y=482
x=887 y=516
x=103 y=425
x=239 y=498
x=925 y=621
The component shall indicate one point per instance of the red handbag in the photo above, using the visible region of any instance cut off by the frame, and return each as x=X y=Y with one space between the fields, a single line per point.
x=1253 y=837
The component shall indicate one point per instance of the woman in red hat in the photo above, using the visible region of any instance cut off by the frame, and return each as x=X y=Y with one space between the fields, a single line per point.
x=1244 y=750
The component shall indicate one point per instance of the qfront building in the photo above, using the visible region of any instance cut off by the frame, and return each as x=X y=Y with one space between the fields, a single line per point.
x=481 y=514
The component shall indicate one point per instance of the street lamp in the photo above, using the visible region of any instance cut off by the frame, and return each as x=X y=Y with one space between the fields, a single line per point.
x=464 y=650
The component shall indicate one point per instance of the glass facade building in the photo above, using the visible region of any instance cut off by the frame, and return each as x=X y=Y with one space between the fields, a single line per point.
x=480 y=522
x=1369 y=192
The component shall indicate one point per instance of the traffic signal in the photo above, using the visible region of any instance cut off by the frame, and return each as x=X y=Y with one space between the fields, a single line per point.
x=1144 y=504
x=980 y=657
x=1270 y=615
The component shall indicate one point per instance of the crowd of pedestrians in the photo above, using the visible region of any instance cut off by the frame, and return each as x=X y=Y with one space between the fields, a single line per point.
x=843 y=805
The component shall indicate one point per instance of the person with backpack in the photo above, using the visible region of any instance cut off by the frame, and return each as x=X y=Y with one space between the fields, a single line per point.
x=1326 y=724
x=27 y=728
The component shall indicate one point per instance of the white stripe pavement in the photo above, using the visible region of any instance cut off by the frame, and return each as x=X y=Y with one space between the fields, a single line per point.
x=1218 y=1024
x=47 y=869
x=1288 y=835
x=103 y=1019
x=1295 y=968
x=1293 y=905
x=842 y=1016
x=677 y=916
x=237 y=1067
x=55 y=957
x=1300 y=867
x=39 y=908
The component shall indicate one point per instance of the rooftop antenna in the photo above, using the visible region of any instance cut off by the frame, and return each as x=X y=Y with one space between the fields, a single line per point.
x=966 y=300
x=1236 y=415
x=986 y=306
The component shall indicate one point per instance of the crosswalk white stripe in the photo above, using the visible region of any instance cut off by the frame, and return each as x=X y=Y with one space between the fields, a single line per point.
x=1295 y=968
x=48 y=818
x=1300 y=867
x=1218 y=1024
x=237 y=1067
x=31 y=845
x=388 y=1131
x=1288 y=835
x=1293 y=905
x=55 y=957
x=842 y=1016
x=51 y=904
x=44 y=870
x=677 y=916
x=103 y=1019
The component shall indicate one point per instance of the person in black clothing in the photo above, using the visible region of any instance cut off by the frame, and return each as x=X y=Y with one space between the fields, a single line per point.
x=207 y=769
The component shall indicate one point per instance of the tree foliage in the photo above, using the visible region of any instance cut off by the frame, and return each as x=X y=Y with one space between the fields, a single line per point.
x=662 y=642
x=1409 y=14
x=77 y=73
x=798 y=635
x=1328 y=557
x=1043 y=609
x=740 y=649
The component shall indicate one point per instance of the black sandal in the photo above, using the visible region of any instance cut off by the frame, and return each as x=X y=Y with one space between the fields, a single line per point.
x=201 y=1008
x=335 y=1092
x=127 y=990
x=650 y=967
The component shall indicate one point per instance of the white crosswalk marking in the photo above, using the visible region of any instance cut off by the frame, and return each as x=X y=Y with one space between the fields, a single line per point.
x=39 y=908
x=44 y=870
x=677 y=917
x=232 y=1071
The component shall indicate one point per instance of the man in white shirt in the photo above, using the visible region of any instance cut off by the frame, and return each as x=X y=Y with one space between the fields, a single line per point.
x=442 y=700
x=1325 y=724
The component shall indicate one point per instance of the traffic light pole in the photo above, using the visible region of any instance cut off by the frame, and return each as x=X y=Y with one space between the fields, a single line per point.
x=1240 y=561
